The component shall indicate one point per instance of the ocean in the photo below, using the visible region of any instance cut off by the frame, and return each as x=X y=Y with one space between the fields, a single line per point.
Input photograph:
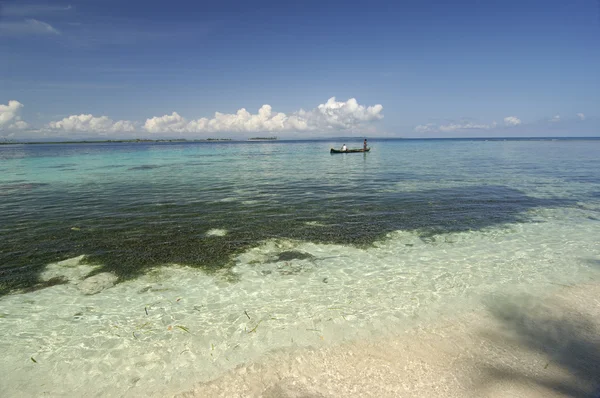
x=136 y=269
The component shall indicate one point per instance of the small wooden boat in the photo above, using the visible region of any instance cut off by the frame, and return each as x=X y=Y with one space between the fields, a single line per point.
x=349 y=150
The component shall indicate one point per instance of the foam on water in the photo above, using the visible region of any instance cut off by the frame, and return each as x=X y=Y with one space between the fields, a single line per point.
x=176 y=326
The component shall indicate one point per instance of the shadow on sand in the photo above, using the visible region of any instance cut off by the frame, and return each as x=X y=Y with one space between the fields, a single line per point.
x=564 y=342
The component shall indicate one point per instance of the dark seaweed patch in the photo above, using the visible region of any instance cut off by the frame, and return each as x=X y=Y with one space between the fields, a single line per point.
x=62 y=166
x=293 y=255
x=145 y=167
x=121 y=228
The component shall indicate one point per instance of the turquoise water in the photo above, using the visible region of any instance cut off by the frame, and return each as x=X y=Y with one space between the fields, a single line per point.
x=223 y=252
x=129 y=207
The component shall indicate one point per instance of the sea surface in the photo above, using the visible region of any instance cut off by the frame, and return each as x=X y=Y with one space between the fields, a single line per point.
x=132 y=269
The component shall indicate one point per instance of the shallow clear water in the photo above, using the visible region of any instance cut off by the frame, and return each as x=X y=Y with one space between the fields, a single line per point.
x=277 y=244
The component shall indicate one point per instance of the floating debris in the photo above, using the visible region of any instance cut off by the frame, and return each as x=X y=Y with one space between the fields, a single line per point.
x=183 y=328
x=254 y=328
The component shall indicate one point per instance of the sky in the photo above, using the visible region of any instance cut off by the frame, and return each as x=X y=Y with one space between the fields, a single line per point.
x=306 y=69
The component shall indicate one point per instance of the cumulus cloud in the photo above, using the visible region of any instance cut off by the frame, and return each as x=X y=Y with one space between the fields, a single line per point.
x=19 y=125
x=91 y=124
x=555 y=119
x=27 y=27
x=581 y=116
x=332 y=115
x=9 y=116
x=512 y=121
x=9 y=112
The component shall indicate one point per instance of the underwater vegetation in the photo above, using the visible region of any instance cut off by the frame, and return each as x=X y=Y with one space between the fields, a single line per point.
x=128 y=230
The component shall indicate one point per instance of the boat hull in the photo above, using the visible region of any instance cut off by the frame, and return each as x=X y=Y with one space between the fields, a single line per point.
x=349 y=150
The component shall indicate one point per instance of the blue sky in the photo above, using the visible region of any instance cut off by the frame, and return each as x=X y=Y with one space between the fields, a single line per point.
x=87 y=68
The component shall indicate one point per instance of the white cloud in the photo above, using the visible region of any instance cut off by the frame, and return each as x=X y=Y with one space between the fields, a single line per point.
x=27 y=27
x=555 y=119
x=426 y=128
x=581 y=116
x=512 y=121
x=452 y=127
x=9 y=116
x=36 y=26
x=19 y=125
x=91 y=124
x=465 y=126
x=332 y=115
x=173 y=122
x=9 y=112
x=22 y=10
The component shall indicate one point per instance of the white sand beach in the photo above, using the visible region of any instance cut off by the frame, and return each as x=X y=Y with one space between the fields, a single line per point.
x=520 y=346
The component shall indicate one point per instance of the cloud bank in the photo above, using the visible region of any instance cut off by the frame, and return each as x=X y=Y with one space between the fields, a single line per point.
x=332 y=115
x=452 y=127
x=91 y=124
x=9 y=116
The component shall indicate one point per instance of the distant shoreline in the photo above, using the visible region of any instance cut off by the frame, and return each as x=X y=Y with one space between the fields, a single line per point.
x=262 y=139
x=340 y=139
x=134 y=141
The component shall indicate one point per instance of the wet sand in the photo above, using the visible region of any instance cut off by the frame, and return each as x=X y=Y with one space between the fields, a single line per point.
x=519 y=346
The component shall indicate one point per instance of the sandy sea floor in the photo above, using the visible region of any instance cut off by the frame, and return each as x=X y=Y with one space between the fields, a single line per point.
x=511 y=312
x=512 y=346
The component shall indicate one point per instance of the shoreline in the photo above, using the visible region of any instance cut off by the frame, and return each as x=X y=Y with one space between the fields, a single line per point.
x=525 y=346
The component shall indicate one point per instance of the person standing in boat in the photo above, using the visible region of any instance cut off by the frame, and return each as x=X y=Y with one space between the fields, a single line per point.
x=344 y=148
x=365 y=145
